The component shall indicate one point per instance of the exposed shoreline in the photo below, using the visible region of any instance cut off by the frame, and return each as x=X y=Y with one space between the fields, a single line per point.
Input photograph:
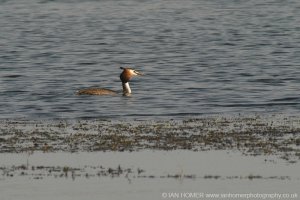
x=141 y=159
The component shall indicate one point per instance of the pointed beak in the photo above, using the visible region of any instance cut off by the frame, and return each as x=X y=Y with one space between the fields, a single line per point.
x=139 y=73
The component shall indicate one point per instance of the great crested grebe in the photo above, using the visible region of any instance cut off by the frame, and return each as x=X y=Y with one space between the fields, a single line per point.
x=125 y=76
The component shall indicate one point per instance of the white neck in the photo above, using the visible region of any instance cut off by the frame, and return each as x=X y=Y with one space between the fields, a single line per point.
x=126 y=89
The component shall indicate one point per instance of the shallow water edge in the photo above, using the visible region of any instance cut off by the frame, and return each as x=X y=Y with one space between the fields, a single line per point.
x=147 y=174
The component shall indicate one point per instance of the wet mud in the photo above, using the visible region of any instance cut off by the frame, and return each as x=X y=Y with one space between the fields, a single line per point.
x=41 y=172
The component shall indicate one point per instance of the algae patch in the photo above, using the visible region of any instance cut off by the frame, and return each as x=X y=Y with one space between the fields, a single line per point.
x=254 y=135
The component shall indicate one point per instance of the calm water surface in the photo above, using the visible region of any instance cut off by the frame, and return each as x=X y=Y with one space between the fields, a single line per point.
x=199 y=57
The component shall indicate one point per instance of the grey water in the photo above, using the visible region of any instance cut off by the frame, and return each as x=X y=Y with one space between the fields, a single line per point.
x=199 y=57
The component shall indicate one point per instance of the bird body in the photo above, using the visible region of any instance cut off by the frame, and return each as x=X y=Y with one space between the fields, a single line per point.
x=96 y=91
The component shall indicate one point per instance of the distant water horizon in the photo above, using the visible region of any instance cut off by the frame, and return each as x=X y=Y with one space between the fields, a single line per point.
x=200 y=58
